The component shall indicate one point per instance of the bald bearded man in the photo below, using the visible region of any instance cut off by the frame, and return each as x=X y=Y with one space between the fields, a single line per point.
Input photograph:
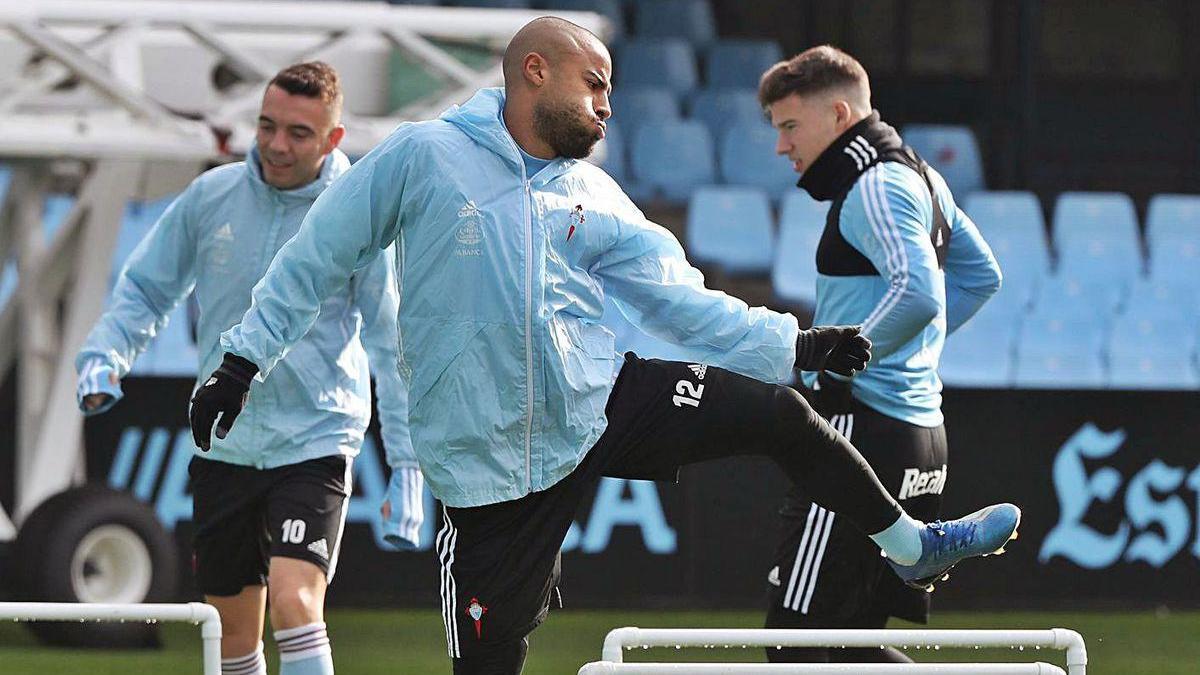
x=519 y=404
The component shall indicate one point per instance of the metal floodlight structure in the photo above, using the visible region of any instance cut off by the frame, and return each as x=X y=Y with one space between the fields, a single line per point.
x=620 y=639
x=80 y=94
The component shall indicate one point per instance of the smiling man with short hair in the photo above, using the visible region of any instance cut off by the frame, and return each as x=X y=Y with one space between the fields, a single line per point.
x=270 y=499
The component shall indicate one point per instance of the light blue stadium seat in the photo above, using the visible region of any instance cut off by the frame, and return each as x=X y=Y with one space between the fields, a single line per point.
x=1144 y=350
x=1014 y=228
x=609 y=9
x=1172 y=218
x=794 y=273
x=1082 y=217
x=981 y=352
x=720 y=109
x=672 y=158
x=739 y=63
x=1173 y=238
x=731 y=227
x=1057 y=353
x=1074 y=297
x=636 y=105
x=1159 y=297
x=953 y=151
x=747 y=157
x=1173 y=370
x=666 y=62
x=691 y=20
x=1097 y=240
x=614 y=153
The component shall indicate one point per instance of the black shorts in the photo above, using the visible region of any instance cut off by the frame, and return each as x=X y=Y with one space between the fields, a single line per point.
x=826 y=572
x=500 y=562
x=244 y=516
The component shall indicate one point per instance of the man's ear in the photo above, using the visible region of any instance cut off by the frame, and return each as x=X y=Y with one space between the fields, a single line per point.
x=843 y=114
x=535 y=69
x=335 y=138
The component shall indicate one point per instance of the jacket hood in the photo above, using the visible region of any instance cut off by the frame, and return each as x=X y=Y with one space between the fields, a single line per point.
x=482 y=119
x=335 y=164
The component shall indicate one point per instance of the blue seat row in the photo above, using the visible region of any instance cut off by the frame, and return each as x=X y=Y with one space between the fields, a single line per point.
x=670 y=158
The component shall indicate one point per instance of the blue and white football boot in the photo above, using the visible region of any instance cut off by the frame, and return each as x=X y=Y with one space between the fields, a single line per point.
x=945 y=543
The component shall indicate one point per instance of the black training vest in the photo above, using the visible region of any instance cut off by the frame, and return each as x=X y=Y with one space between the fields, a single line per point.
x=837 y=258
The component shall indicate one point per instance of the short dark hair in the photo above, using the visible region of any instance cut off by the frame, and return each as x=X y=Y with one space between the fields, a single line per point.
x=812 y=71
x=314 y=79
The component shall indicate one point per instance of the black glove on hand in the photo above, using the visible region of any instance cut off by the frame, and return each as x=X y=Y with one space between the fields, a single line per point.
x=224 y=393
x=831 y=396
x=838 y=349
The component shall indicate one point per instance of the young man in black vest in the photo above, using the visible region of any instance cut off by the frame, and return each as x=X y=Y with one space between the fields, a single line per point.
x=899 y=258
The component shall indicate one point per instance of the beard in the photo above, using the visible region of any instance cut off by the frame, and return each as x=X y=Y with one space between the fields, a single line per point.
x=569 y=133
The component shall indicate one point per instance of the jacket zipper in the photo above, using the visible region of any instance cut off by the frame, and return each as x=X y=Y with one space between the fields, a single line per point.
x=528 y=333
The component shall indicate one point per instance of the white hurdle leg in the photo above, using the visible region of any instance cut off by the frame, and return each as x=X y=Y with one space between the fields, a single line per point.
x=192 y=612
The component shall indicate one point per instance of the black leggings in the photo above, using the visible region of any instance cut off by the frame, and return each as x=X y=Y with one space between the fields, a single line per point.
x=500 y=562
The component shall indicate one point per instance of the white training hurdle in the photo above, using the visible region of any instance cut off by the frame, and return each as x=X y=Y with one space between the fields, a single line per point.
x=192 y=612
x=621 y=639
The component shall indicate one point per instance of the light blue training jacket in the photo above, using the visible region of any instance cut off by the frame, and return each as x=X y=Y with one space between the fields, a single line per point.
x=218 y=237
x=909 y=309
x=503 y=278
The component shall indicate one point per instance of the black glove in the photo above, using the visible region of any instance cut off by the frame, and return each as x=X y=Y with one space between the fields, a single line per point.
x=838 y=349
x=831 y=396
x=223 y=393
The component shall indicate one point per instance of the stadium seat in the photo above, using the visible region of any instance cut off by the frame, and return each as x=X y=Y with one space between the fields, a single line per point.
x=794 y=272
x=614 y=153
x=609 y=9
x=667 y=62
x=1172 y=218
x=739 y=63
x=632 y=106
x=1139 y=356
x=1173 y=238
x=730 y=227
x=748 y=157
x=720 y=109
x=1080 y=298
x=1160 y=297
x=1057 y=353
x=953 y=151
x=691 y=20
x=980 y=353
x=672 y=158
x=1014 y=228
x=1096 y=236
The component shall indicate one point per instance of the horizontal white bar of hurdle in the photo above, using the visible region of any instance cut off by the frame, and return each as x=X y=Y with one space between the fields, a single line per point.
x=192 y=612
x=1054 y=638
x=605 y=668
